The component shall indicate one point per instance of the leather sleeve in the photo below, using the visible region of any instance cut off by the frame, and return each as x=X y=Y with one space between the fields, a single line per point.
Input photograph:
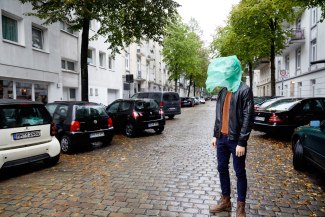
x=248 y=116
x=217 y=123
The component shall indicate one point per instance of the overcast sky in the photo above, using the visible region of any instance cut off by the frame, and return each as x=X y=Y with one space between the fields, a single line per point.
x=208 y=13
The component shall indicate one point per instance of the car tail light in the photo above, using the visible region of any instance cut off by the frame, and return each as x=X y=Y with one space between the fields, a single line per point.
x=109 y=122
x=161 y=112
x=135 y=114
x=161 y=104
x=275 y=119
x=53 y=130
x=75 y=126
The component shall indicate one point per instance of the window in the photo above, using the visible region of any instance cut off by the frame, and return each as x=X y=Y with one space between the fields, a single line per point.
x=139 y=67
x=96 y=92
x=66 y=27
x=312 y=86
x=298 y=58
x=37 y=38
x=6 y=89
x=127 y=61
x=72 y=92
x=91 y=57
x=124 y=106
x=102 y=59
x=9 y=29
x=110 y=62
x=313 y=51
x=113 y=107
x=299 y=88
x=287 y=62
x=313 y=16
x=68 y=65
x=91 y=93
x=24 y=90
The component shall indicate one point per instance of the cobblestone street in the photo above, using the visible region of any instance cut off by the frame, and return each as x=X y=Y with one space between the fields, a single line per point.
x=172 y=174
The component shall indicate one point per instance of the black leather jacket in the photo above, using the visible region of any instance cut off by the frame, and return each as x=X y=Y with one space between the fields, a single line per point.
x=241 y=114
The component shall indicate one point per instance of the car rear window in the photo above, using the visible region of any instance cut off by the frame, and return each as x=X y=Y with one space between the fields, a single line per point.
x=282 y=105
x=145 y=105
x=155 y=96
x=171 y=97
x=89 y=111
x=12 y=116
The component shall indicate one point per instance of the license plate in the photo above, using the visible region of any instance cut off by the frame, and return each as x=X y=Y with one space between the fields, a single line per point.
x=260 y=118
x=153 y=124
x=95 y=135
x=171 y=108
x=26 y=135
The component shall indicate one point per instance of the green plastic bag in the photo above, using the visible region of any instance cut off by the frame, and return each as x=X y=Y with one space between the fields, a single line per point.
x=224 y=72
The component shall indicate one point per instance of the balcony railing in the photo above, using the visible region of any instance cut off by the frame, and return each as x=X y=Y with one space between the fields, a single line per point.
x=297 y=34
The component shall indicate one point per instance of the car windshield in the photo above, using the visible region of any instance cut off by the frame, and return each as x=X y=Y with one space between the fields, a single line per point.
x=89 y=111
x=282 y=105
x=141 y=105
x=12 y=116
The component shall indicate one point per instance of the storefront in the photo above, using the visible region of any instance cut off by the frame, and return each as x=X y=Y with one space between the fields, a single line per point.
x=34 y=91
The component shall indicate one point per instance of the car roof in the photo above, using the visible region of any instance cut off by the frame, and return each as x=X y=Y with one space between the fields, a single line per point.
x=163 y=92
x=73 y=102
x=18 y=102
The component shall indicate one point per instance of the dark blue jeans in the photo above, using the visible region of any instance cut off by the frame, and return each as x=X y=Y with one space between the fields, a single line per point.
x=225 y=148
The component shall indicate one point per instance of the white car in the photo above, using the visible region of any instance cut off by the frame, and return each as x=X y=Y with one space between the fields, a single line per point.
x=202 y=100
x=27 y=134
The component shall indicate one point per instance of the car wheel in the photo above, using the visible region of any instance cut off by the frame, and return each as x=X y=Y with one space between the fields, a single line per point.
x=298 y=156
x=159 y=130
x=171 y=116
x=66 y=146
x=130 y=130
x=49 y=162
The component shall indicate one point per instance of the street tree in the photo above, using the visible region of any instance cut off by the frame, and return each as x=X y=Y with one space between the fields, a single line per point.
x=122 y=22
x=312 y=3
x=262 y=21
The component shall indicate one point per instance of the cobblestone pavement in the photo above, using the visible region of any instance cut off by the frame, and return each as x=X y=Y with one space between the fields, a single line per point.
x=172 y=174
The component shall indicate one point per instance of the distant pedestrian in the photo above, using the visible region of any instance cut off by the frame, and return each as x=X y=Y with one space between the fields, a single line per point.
x=233 y=124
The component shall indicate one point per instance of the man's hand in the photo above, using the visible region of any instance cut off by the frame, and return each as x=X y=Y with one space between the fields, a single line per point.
x=240 y=151
x=214 y=143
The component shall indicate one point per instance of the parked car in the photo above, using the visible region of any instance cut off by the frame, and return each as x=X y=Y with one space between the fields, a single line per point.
x=202 y=100
x=27 y=134
x=214 y=97
x=187 y=102
x=135 y=115
x=284 y=115
x=196 y=100
x=308 y=146
x=264 y=101
x=170 y=102
x=80 y=124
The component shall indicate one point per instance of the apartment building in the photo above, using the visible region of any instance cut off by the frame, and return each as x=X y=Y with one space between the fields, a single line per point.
x=297 y=74
x=30 y=57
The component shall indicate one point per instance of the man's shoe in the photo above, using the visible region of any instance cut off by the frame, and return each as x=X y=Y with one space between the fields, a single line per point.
x=223 y=205
x=240 y=211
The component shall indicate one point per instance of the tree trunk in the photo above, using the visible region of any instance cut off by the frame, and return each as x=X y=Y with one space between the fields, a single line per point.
x=83 y=60
x=194 y=87
x=250 y=73
x=175 y=85
x=272 y=67
x=189 y=87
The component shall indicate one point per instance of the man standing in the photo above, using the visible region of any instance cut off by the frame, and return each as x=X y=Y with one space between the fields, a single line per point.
x=233 y=124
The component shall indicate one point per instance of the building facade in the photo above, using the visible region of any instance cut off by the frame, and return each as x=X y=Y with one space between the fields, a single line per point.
x=42 y=63
x=297 y=73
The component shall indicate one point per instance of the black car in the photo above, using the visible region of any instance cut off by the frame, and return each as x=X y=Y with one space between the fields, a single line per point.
x=308 y=146
x=284 y=115
x=132 y=116
x=80 y=123
x=187 y=102
x=168 y=101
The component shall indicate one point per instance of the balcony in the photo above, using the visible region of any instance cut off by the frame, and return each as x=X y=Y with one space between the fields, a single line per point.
x=139 y=77
x=296 y=39
x=261 y=63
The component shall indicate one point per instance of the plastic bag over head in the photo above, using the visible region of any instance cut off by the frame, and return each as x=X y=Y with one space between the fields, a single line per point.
x=224 y=72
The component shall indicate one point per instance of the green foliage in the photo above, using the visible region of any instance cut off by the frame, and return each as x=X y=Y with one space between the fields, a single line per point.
x=312 y=3
x=184 y=53
x=122 y=21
